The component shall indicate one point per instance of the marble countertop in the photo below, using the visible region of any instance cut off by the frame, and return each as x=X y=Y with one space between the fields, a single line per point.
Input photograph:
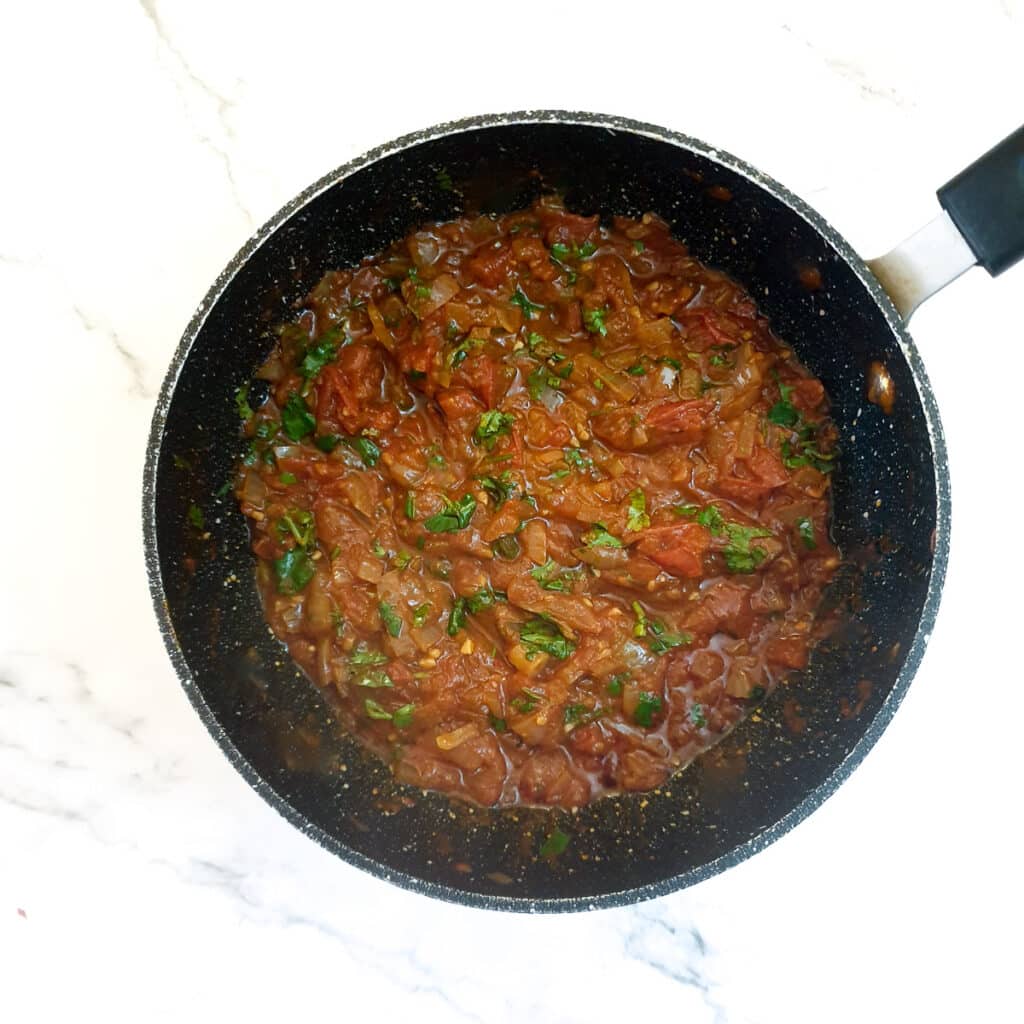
x=139 y=874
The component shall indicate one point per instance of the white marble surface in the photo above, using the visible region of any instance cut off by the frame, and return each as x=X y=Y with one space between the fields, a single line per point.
x=140 y=878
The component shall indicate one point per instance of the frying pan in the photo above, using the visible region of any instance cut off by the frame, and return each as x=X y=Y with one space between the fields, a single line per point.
x=891 y=497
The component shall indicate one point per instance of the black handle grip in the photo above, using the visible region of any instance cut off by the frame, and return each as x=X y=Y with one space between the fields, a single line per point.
x=986 y=202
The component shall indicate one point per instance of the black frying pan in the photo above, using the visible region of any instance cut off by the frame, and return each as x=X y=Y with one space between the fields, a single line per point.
x=891 y=492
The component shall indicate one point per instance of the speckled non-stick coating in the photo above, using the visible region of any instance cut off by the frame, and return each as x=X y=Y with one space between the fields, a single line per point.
x=891 y=521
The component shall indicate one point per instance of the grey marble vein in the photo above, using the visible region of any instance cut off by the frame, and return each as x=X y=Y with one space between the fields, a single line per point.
x=222 y=105
x=131 y=361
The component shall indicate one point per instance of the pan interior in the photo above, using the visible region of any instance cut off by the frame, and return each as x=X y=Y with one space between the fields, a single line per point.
x=276 y=726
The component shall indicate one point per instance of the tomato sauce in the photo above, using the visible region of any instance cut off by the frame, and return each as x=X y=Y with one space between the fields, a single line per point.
x=541 y=503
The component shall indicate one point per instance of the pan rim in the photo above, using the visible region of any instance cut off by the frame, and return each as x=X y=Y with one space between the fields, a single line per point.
x=815 y=797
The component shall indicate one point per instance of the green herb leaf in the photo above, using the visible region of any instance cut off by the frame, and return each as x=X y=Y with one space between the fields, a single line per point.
x=180 y=462
x=196 y=517
x=328 y=442
x=298 y=524
x=640 y=628
x=541 y=379
x=492 y=425
x=499 y=488
x=577 y=460
x=783 y=414
x=373 y=679
x=616 y=683
x=638 y=246
x=498 y=724
x=374 y=710
x=482 y=599
x=555 y=844
x=288 y=478
x=542 y=635
x=420 y=615
x=245 y=410
x=593 y=320
x=378 y=549
x=390 y=618
x=526 y=701
x=362 y=655
x=365 y=449
x=457 y=616
x=599 y=537
x=436 y=459
x=454 y=516
x=293 y=571
x=410 y=505
x=647 y=706
x=338 y=622
x=721 y=355
x=739 y=555
x=296 y=418
x=403 y=716
x=806 y=530
x=757 y=693
x=637 y=518
x=662 y=640
x=444 y=180
x=697 y=716
x=520 y=298
x=551 y=577
x=636 y=370
x=319 y=355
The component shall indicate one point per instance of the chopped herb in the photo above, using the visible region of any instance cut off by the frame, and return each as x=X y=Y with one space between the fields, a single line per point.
x=180 y=462
x=757 y=693
x=266 y=429
x=506 y=546
x=577 y=460
x=410 y=505
x=245 y=410
x=810 y=454
x=269 y=457
x=458 y=354
x=550 y=577
x=364 y=656
x=697 y=716
x=492 y=425
x=783 y=413
x=374 y=710
x=373 y=679
x=721 y=356
x=223 y=489
x=422 y=291
x=390 y=618
x=365 y=449
x=598 y=384
x=806 y=530
x=403 y=716
x=636 y=370
x=540 y=379
x=555 y=844
x=580 y=714
x=647 y=706
x=196 y=517
x=640 y=628
x=599 y=537
x=288 y=478
x=541 y=635
x=638 y=246
x=739 y=555
x=296 y=418
x=498 y=724
x=577 y=252
x=637 y=518
x=454 y=516
x=299 y=524
x=293 y=571
x=378 y=549
x=416 y=375
x=327 y=442
x=708 y=517
x=668 y=361
x=457 y=617
x=498 y=488
x=526 y=701
x=338 y=622
x=662 y=640
x=616 y=683
x=444 y=180
x=319 y=355
x=482 y=599
x=437 y=460
x=593 y=320
x=420 y=615
x=559 y=474
x=520 y=298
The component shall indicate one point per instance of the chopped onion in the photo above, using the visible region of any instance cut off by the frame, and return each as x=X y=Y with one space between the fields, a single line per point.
x=450 y=740
x=253 y=490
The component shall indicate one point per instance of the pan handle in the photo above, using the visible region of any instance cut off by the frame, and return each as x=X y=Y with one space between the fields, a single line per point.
x=982 y=222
